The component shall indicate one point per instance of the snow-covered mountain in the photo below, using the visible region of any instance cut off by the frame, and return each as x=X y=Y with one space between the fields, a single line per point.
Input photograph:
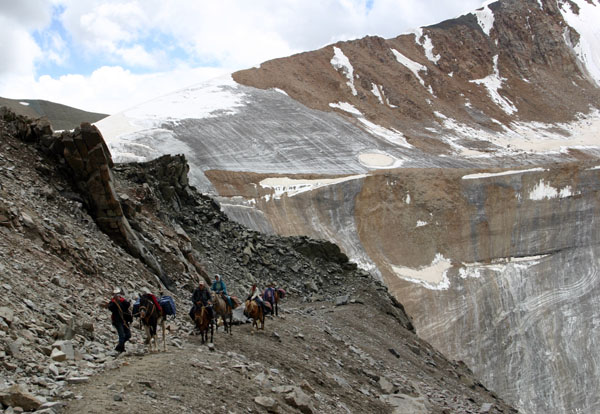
x=460 y=163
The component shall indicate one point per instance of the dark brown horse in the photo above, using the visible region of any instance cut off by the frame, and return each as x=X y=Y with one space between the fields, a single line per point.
x=254 y=311
x=273 y=303
x=150 y=317
x=223 y=310
x=203 y=323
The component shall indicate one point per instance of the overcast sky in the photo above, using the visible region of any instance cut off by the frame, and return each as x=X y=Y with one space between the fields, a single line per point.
x=108 y=55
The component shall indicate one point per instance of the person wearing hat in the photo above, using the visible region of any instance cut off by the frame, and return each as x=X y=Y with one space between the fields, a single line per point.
x=218 y=286
x=201 y=297
x=120 y=317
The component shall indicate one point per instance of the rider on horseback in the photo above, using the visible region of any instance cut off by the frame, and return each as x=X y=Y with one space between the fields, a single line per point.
x=219 y=288
x=255 y=296
x=269 y=296
x=201 y=297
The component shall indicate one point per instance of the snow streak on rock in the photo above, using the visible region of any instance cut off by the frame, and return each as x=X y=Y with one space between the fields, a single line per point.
x=413 y=66
x=340 y=62
x=425 y=42
x=493 y=83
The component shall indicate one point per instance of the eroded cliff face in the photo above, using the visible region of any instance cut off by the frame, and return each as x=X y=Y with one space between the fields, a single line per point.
x=497 y=268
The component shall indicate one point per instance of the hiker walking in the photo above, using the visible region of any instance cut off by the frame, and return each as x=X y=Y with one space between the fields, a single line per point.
x=218 y=286
x=201 y=297
x=121 y=318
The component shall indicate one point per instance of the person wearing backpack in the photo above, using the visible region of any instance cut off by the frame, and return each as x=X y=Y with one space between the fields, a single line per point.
x=121 y=317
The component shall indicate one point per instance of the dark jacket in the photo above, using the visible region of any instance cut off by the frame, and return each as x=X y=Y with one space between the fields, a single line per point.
x=118 y=307
x=201 y=295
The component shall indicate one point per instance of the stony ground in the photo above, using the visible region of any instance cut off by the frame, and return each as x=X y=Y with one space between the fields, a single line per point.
x=342 y=344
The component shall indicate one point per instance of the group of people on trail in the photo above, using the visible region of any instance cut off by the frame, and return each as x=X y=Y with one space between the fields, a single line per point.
x=201 y=296
x=122 y=317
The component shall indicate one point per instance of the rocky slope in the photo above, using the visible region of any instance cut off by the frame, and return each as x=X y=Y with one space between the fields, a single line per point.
x=343 y=344
x=376 y=145
x=60 y=116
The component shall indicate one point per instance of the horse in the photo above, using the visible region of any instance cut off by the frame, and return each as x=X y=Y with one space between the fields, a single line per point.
x=254 y=311
x=150 y=317
x=278 y=294
x=223 y=310
x=203 y=323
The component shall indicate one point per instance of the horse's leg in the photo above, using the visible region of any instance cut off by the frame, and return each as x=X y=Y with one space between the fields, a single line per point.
x=148 y=337
x=211 y=333
x=230 y=322
x=162 y=325
x=276 y=308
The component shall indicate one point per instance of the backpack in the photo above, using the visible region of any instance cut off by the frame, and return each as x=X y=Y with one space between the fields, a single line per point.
x=136 y=307
x=168 y=305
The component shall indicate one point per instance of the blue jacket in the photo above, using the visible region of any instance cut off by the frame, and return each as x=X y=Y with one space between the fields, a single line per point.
x=219 y=286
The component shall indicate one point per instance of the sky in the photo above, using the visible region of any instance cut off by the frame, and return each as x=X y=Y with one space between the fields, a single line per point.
x=109 y=55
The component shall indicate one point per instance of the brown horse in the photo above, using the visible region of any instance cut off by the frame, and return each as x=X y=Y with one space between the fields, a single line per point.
x=254 y=311
x=279 y=294
x=223 y=310
x=203 y=323
x=150 y=317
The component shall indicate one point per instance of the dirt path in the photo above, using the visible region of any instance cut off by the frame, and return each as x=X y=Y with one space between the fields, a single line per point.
x=228 y=378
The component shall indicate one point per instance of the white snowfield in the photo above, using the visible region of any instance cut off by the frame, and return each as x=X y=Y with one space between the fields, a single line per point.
x=587 y=24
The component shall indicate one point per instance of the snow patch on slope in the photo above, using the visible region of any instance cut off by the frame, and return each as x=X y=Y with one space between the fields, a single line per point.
x=493 y=83
x=587 y=24
x=340 y=62
x=433 y=276
x=500 y=174
x=391 y=135
x=544 y=191
x=290 y=186
x=413 y=66
x=425 y=42
x=485 y=18
x=346 y=107
x=217 y=97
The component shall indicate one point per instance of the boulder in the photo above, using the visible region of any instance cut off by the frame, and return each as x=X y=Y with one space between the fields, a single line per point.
x=268 y=403
x=17 y=396
x=7 y=314
x=299 y=400
x=58 y=355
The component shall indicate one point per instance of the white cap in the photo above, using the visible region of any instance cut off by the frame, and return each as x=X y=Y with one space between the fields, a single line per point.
x=116 y=291
x=145 y=290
